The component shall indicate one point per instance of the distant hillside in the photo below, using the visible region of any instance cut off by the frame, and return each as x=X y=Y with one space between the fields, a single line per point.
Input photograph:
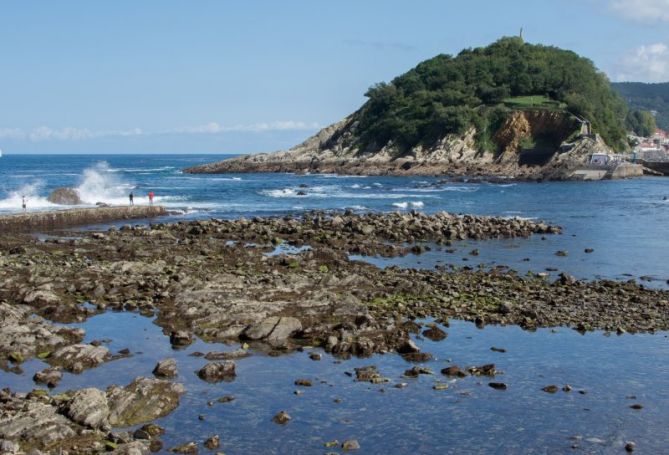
x=650 y=97
x=506 y=109
x=444 y=95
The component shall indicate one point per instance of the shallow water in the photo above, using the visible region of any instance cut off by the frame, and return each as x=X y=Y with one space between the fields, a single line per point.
x=469 y=417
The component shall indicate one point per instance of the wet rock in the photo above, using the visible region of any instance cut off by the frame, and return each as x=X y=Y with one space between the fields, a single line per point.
x=550 y=389
x=366 y=373
x=230 y=355
x=181 y=338
x=149 y=431
x=36 y=424
x=213 y=442
x=49 y=376
x=188 y=448
x=589 y=250
x=143 y=400
x=498 y=385
x=495 y=349
x=637 y=406
x=408 y=347
x=483 y=370
x=315 y=356
x=453 y=370
x=226 y=399
x=166 y=368
x=218 y=371
x=274 y=330
x=156 y=445
x=64 y=196
x=303 y=382
x=414 y=372
x=350 y=444
x=561 y=253
x=630 y=447
x=434 y=333
x=282 y=418
x=417 y=357
x=88 y=407
x=567 y=388
x=78 y=357
x=440 y=386
x=133 y=448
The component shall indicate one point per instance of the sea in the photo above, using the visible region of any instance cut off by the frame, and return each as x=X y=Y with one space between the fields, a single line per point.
x=624 y=222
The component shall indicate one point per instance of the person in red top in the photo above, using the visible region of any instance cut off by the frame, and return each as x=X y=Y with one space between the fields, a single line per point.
x=151 y=194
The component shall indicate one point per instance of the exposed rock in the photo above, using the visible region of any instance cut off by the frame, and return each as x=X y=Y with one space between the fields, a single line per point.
x=142 y=400
x=498 y=385
x=434 y=333
x=166 y=368
x=35 y=423
x=213 y=442
x=133 y=448
x=49 y=376
x=282 y=418
x=218 y=371
x=78 y=357
x=551 y=388
x=89 y=407
x=189 y=448
x=181 y=338
x=64 y=196
x=350 y=444
x=274 y=330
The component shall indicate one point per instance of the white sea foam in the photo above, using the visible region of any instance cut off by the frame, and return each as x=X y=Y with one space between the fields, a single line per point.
x=34 y=201
x=406 y=205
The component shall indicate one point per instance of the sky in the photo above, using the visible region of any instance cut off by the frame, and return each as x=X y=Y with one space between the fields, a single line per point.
x=233 y=76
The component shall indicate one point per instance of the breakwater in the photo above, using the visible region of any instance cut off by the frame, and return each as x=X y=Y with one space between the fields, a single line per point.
x=26 y=222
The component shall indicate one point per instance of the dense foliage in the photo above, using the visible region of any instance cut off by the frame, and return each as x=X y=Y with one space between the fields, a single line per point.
x=649 y=97
x=642 y=123
x=450 y=94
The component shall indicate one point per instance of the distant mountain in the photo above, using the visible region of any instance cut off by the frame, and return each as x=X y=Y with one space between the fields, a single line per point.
x=650 y=97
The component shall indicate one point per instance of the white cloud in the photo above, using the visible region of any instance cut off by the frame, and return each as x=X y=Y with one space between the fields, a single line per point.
x=648 y=63
x=643 y=10
x=44 y=133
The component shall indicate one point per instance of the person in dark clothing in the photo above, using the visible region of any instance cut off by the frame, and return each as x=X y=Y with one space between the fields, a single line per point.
x=132 y=199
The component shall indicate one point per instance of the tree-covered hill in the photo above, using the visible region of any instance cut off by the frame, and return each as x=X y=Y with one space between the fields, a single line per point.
x=477 y=87
x=650 y=97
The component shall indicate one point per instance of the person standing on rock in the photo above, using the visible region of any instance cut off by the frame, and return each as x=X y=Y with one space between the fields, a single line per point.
x=151 y=195
x=24 y=203
x=132 y=198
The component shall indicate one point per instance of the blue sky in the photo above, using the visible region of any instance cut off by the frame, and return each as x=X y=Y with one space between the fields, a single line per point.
x=247 y=76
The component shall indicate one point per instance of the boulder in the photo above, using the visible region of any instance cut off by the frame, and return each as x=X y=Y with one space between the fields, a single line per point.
x=88 y=407
x=275 y=330
x=218 y=371
x=142 y=401
x=64 y=196
x=78 y=357
x=166 y=368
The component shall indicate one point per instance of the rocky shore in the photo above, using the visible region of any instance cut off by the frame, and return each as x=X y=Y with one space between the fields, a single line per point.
x=335 y=150
x=56 y=219
x=275 y=284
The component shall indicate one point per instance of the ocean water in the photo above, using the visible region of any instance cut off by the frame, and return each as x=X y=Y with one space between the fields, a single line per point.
x=624 y=221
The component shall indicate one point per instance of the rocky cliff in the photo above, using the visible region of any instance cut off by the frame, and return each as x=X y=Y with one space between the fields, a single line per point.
x=529 y=144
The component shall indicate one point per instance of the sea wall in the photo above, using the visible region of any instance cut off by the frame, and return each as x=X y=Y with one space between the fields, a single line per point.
x=26 y=222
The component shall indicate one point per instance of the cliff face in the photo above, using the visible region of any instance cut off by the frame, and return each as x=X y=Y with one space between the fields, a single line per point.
x=525 y=135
